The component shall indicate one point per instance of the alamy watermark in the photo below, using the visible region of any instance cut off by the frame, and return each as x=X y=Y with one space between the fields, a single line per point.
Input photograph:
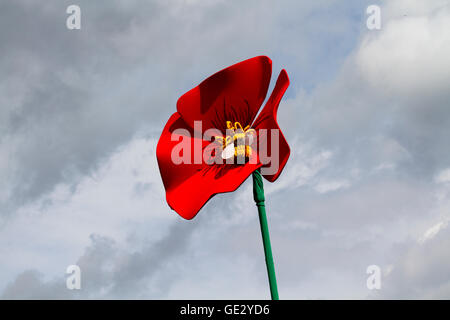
x=373 y=21
x=73 y=281
x=73 y=21
x=237 y=146
x=374 y=280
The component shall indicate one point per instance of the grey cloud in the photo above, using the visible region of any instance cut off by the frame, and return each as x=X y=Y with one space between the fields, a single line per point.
x=420 y=271
x=30 y=285
x=110 y=272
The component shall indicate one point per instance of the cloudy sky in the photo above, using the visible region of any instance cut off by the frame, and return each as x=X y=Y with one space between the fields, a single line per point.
x=367 y=116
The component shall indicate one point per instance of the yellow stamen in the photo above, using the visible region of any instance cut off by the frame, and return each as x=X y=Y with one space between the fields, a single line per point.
x=238 y=134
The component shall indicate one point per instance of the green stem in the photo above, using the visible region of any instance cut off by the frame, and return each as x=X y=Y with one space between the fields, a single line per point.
x=258 y=195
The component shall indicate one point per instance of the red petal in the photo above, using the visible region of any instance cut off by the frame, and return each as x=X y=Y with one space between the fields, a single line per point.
x=190 y=186
x=267 y=119
x=235 y=94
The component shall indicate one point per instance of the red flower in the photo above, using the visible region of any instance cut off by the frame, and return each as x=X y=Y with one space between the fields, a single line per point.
x=232 y=96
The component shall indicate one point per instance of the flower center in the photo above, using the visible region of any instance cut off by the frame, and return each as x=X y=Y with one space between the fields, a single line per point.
x=237 y=141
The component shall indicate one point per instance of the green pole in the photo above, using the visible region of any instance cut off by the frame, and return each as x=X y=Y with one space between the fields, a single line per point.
x=258 y=195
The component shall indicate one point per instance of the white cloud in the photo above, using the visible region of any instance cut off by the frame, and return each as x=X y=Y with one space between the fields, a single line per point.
x=433 y=231
x=443 y=176
x=305 y=164
x=328 y=186
x=410 y=55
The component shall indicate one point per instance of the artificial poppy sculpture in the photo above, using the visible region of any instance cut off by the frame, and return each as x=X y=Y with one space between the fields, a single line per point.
x=217 y=139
